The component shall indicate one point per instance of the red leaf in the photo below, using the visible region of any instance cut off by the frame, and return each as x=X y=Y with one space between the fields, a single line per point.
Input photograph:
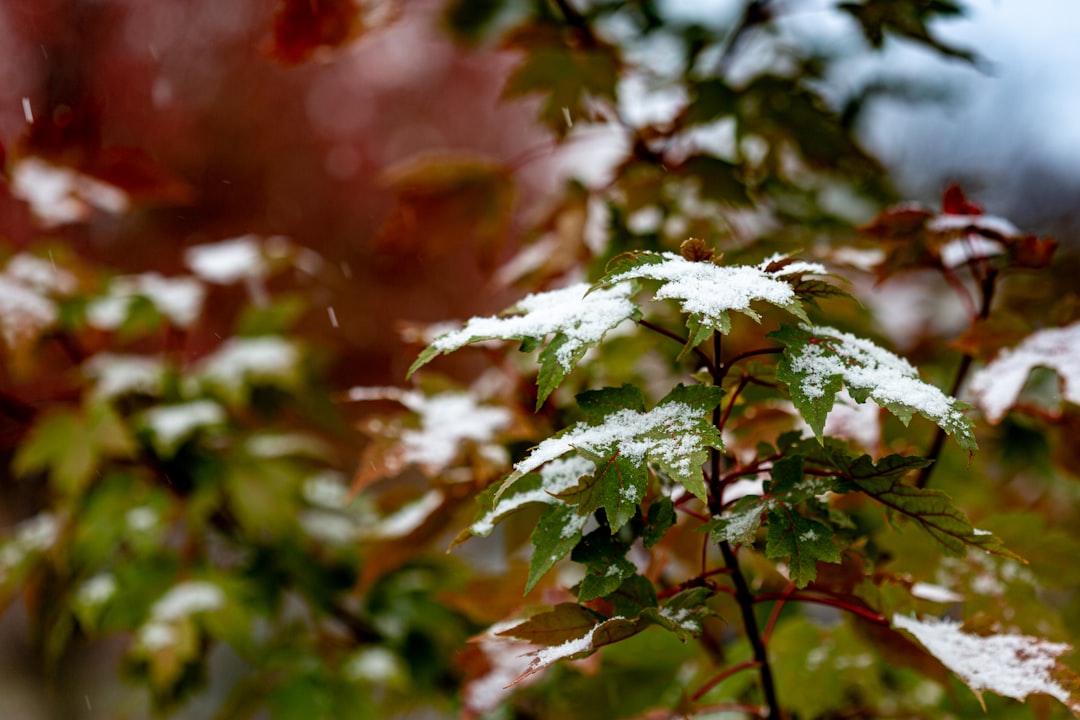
x=1034 y=252
x=303 y=26
x=954 y=202
x=139 y=175
x=897 y=221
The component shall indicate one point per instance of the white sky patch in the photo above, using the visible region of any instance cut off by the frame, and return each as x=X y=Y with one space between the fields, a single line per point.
x=583 y=319
x=228 y=261
x=172 y=424
x=117 y=375
x=558 y=475
x=628 y=431
x=996 y=387
x=935 y=593
x=1006 y=664
x=711 y=290
x=59 y=195
x=179 y=299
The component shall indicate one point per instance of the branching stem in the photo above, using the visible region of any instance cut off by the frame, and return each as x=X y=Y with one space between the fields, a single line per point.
x=987 y=285
x=702 y=355
x=743 y=596
x=825 y=600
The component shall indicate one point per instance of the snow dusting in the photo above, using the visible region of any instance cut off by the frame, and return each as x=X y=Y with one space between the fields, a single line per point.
x=1006 y=664
x=40 y=274
x=630 y=433
x=59 y=195
x=251 y=359
x=24 y=312
x=172 y=424
x=864 y=366
x=996 y=387
x=227 y=261
x=97 y=590
x=187 y=598
x=935 y=593
x=446 y=421
x=180 y=299
x=409 y=517
x=948 y=222
x=704 y=288
x=584 y=319
x=970 y=247
x=558 y=476
x=118 y=375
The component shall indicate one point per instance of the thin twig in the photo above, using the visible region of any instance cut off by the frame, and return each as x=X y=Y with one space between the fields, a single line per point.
x=722 y=676
x=704 y=356
x=988 y=286
x=825 y=600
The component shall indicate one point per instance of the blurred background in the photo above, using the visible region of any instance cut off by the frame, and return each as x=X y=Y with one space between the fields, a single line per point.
x=365 y=134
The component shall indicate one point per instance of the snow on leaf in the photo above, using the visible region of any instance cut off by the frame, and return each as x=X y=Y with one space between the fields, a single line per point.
x=179 y=299
x=575 y=321
x=118 y=375
x=24 y=312
x=804 y=541
x=818 y=361
x=996 y=387
x=553 y=479
x=59 y=195
x=447 y=420
x=558 y=531
x=243 y=361
x=675 y=436
x=607 y=632
x=227 y=261
x=1006 y=664
x=170 y=425
x=739 y=524
x=708 y=292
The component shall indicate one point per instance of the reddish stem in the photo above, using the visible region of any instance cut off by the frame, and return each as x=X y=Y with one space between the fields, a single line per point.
x=722 y=676
x=821 y=600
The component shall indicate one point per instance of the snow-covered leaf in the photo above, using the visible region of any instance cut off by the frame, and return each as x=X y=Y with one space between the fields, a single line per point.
x=675 y=436
x=60 y=195
x=996 y=387
x=170 y=425
x=245 y=361
x=603 y=633
x=178 y=299
x=708 y=292
x=606 y=565
x=575 y=321
x=1006 y=664
x=818 y=361
x=739 y=523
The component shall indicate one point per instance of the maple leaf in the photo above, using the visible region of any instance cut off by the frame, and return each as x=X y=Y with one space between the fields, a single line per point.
x=575 y=321
x=620 y=438
x=996 y=387
x=818 y=361
x=1006 y=664
x=708 y=293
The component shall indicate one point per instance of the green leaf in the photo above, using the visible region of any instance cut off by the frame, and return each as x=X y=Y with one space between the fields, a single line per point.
x=71 y=446
x=740 y=523
x=606 y=566
x=708 y=292
x=675 y=436
x=932 y=510
x=575 y=321
x=557 y=532
x=634 y=596
x=817 y=362
x=682 y=614
x=661 y=517
x=802 y=540
x=598 y=404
